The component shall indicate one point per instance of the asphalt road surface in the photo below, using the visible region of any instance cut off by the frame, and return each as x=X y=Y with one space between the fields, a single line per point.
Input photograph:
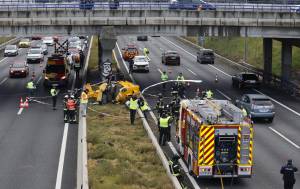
x=30 y=139
x=273 y=143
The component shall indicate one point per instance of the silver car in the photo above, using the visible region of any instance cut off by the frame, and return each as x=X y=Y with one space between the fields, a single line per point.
x=11 y=50
x=257 y=106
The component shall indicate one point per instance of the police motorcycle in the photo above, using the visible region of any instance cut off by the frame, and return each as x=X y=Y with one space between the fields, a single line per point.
x=71 y=106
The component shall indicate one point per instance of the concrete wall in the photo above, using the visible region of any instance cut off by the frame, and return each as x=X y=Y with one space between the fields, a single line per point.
x=162 y=22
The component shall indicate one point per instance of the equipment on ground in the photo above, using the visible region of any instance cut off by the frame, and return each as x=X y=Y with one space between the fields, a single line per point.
x=119 y=91
x=215 y=139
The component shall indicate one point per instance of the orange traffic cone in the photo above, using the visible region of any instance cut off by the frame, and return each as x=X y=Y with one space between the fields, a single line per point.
x=21 y=103
x=26 y=103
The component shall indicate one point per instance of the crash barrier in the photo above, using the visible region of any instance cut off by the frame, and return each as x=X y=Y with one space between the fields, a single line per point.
x=12 y=41
x=153 y=6
x=289 y=87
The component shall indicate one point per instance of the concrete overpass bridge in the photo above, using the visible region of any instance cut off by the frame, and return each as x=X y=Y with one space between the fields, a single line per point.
x=283 y=26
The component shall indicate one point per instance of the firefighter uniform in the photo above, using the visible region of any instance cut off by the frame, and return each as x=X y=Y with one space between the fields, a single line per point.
x=71 y=107
x=288 y=175
x=163 y=129
x=164 y=77
x=133 y=106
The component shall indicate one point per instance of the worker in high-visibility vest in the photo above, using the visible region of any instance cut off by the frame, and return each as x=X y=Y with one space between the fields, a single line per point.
x=31 y=87
x=164 y=77
x=163 y=124
x=209 y=94
x=133 y=106
x=146 y=52
x=54 y=93
x=144 y=107
x=244 y=112
x=84 y=99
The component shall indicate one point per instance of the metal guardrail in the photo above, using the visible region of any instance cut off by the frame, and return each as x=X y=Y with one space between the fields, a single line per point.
x=12 y=41
x=154 y=6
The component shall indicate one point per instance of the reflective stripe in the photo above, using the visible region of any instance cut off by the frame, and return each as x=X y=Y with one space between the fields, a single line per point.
x=84 y=98
x=164 y=122
x=164 y=77
x=133 y=104
x=53 y=92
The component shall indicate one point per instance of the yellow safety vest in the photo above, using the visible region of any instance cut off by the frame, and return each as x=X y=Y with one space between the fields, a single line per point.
x=30 y=85
x=209 y=94
x=180 y=78
x=53 y=92
x=146 y=51
x=164 y=122
x=84 y=98
x=145 y=106
x=244 y=111
x=164 y=77
x=133 y=104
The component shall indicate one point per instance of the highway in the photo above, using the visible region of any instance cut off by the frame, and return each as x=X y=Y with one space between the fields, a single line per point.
x=273 y=143
x=30 y=139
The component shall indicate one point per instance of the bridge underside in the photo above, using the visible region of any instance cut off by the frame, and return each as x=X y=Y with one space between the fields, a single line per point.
x=164 y=30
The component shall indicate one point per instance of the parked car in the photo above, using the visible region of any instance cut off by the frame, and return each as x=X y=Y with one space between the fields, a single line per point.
x=142 y=38
x=245 y=79
x=18 y=69
x=170 y=58
x=206 y=56
x=24 y=43
x=35 y=55
x=140 y=63
x=49 y=41
x=42 y=46
x=257 y=106
x=11 y=50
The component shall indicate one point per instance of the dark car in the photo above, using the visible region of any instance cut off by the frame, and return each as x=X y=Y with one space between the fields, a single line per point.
x=206 y=56
x=113 y=4
x=170 y=58
x=86 y=4
x=257 y=106
x=142 y=38
x=36 y=37
x=18 y=69
x=245 y=79
x=192 y=5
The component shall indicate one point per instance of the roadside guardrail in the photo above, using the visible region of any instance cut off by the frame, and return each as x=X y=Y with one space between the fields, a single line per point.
x=12 y=41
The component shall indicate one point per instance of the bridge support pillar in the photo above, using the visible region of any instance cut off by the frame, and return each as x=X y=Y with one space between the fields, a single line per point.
x=108 y=41
x=286 y=61
x=267 y=50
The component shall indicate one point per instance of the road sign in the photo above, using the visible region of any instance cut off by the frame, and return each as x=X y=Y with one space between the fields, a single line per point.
x=106 y=71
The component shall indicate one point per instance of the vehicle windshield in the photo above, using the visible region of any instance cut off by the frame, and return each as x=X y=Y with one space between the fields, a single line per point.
x=25 y=40
x=11 y=47
x=208 y=54
x=55 y=69
x=131 y=50
x=74 y=44
x=262 y=101
x=74 y=39
x=249 y=77
x=48 y=38
x=18 y=65
x=140 y=59
x=35 y=51
x=172 y=53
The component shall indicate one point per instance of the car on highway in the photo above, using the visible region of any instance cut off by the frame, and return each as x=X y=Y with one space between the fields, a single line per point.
x=11 y=50
x=129 y=52
x=24 y=43
x=42 y=46
x=142 y=38
x=76 y=44
x=36 y=37
x=35 y=55
x=257 y=106
x=141 y=63
x=18 y=69
x=206 y=56
x=246 y=79
x=73 y=39
x=191 y=5
x=170 y=58
x=49 y=41
x=86 y=4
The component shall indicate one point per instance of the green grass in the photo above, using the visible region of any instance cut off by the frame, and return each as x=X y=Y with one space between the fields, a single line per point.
x=5 y=39
x=233 y=48
x=120 y=155
x=94 y=59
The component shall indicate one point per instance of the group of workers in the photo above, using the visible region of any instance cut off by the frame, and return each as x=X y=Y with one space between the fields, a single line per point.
x=134 y=104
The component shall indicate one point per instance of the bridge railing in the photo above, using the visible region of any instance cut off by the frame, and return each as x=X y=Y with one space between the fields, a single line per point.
x=15 y=5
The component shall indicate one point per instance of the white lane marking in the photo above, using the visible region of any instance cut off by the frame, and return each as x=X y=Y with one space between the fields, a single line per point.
x=3 y=81
x=159 y=71
x=191 y=71
x=20 y=111
x=62 y=157
x=285 y=138
x=286 y=107
x=223 y=94
x=281 y=104
x=39 y=80
x=193 y=181
x=3 y=59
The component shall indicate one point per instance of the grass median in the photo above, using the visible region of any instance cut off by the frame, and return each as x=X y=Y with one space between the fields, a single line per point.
x=121 y=155
x=5 y=39
x=94 y=59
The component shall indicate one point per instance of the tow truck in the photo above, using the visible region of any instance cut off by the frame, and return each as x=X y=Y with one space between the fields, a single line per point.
x=215 y=139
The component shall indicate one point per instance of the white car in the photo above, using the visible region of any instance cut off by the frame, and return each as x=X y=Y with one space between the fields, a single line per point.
x=35 y=55
x=48 y=41
x=44 y=47
x=11 y=50
x=141 y=63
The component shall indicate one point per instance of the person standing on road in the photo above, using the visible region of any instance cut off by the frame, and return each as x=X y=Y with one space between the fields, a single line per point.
x=144 y=107
x=133 y=106
x=164 y=77
x=209 y=94
x=163 y=125
x=130 y=62
x=31 y=87
x=84 y=101
x=54 y=93
x=288 y=171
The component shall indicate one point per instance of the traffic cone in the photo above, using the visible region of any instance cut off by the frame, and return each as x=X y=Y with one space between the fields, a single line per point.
x=21 y=103
x=26 y=103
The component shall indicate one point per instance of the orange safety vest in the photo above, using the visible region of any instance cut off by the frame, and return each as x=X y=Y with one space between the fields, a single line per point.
x=71 y=105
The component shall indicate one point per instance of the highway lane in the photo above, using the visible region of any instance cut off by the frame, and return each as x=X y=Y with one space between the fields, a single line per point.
x=270 y=150
x=30 y=142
